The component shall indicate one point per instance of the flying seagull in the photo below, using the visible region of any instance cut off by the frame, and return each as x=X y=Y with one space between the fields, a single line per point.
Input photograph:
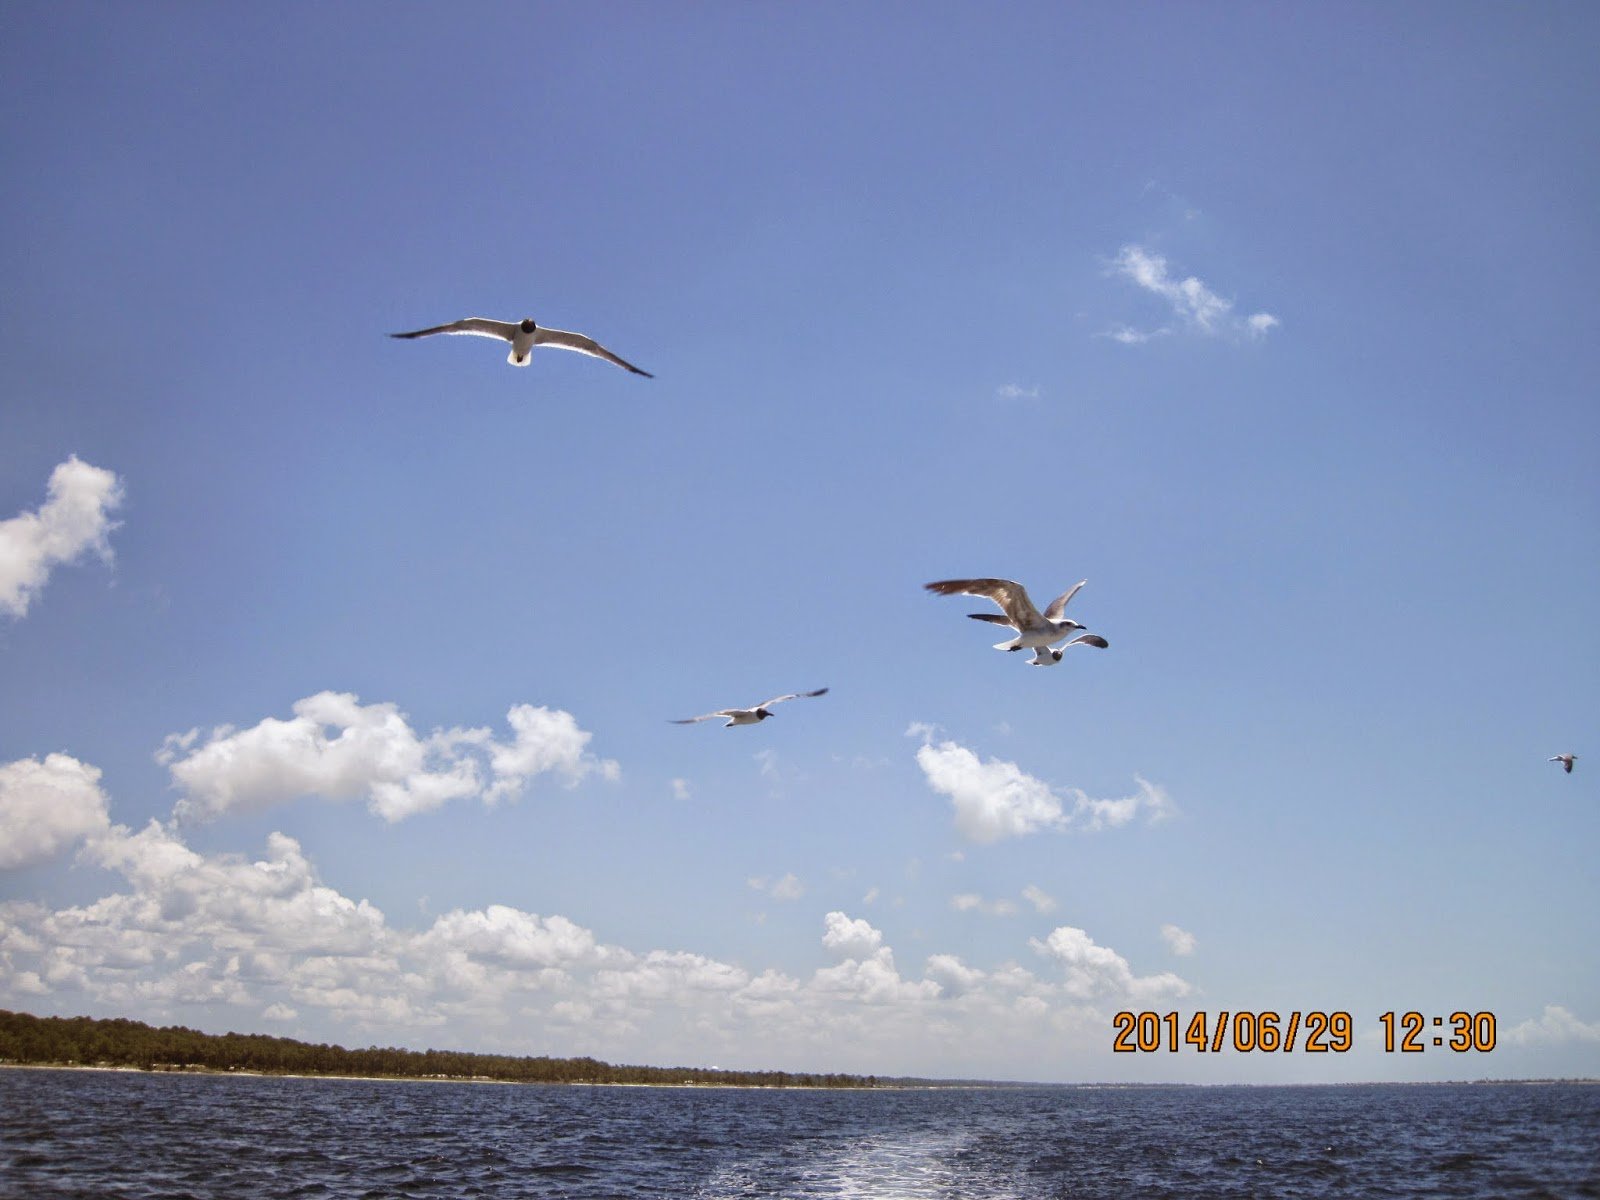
x=749 y=716
x=1566 y=761
x=524 y=335
x=1034 y=630
x=1043 y=656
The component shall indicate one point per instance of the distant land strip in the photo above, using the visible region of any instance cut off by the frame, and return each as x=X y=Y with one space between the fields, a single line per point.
x=27 y=1040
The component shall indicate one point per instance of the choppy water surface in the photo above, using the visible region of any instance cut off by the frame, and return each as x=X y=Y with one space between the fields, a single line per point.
x=109 y=1134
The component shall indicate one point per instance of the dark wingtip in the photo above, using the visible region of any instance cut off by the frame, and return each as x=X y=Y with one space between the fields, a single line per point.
x=637 y=371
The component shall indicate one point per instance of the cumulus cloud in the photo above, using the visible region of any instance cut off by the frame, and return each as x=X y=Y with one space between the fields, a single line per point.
x=995 y=799
x=1195 y=305
x=226 y=941
x=1093 y=970
x=1555 y=1027
x=850 y=938
x=47 y=807
x=1180 y=941
x=72 y=522
x=336 y=748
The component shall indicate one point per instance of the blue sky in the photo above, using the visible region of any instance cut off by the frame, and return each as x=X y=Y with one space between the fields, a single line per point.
x=335 y=671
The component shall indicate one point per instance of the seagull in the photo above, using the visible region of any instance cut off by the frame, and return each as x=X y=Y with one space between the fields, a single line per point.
x=1033 y=629
x=1566 y=761
x=1043 y=656
x=749 y=716
x=524 y=335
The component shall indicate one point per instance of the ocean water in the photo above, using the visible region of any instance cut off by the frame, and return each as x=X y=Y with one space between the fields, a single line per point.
x=120 y=1134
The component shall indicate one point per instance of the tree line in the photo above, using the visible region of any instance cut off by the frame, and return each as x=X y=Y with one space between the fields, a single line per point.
x=87 y=1041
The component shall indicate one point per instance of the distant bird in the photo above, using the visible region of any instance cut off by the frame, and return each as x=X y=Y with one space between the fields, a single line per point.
x=749 y=716
x=524 y=335
x=1034 y=630
x=1043 y=656
x=1566 y=761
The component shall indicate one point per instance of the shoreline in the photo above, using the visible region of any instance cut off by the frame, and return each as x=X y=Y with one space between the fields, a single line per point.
x=953 y=1086
x=177 y=1069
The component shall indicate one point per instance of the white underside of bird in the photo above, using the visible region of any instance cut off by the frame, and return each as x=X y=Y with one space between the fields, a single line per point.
x=749 y=716
x=524 y=335
x=1043 y=656
x=1035 y=630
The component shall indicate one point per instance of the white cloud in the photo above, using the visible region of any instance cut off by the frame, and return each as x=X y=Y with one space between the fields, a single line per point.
x=788 y=887
x=71 y=523
x=1129 y=336
x=225 y=941
x=1180 y=941
x=1555 y=1027
x=951 y=974
x=1195 y=305
x=680 y=789
x=996 y=799
x=1093 y=970
x=547 y=741
x=1012 y=391
x=850 y=938
x=1151 y=799
x=1041 y=900
x=47 y=807
x=972 y=902
x=337 y=748
x=511 y=937
x=993 y=799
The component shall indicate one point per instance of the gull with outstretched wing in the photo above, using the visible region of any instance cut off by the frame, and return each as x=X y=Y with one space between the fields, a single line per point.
x=524 y=335
x=749 y=716
x=1044 y=656
x=1035 y=630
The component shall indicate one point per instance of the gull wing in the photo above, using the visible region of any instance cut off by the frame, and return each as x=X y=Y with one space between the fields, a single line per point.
x=1059 y=604
x=1090 y=639
x=791 y=696
x=583 y=345
x=1010 y=596
x=482 y=326
x=721 y=712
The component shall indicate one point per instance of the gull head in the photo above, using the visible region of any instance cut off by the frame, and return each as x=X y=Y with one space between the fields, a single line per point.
x=762 y=714
x=527 y=325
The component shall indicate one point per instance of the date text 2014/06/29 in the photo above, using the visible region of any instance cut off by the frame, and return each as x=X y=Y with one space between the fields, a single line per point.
x=1313 y=1032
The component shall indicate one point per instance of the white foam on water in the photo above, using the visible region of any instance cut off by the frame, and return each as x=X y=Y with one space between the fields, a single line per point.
x=896 y=1166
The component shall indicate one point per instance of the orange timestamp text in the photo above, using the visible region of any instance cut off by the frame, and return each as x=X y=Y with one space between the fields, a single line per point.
x=1310 y=1032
